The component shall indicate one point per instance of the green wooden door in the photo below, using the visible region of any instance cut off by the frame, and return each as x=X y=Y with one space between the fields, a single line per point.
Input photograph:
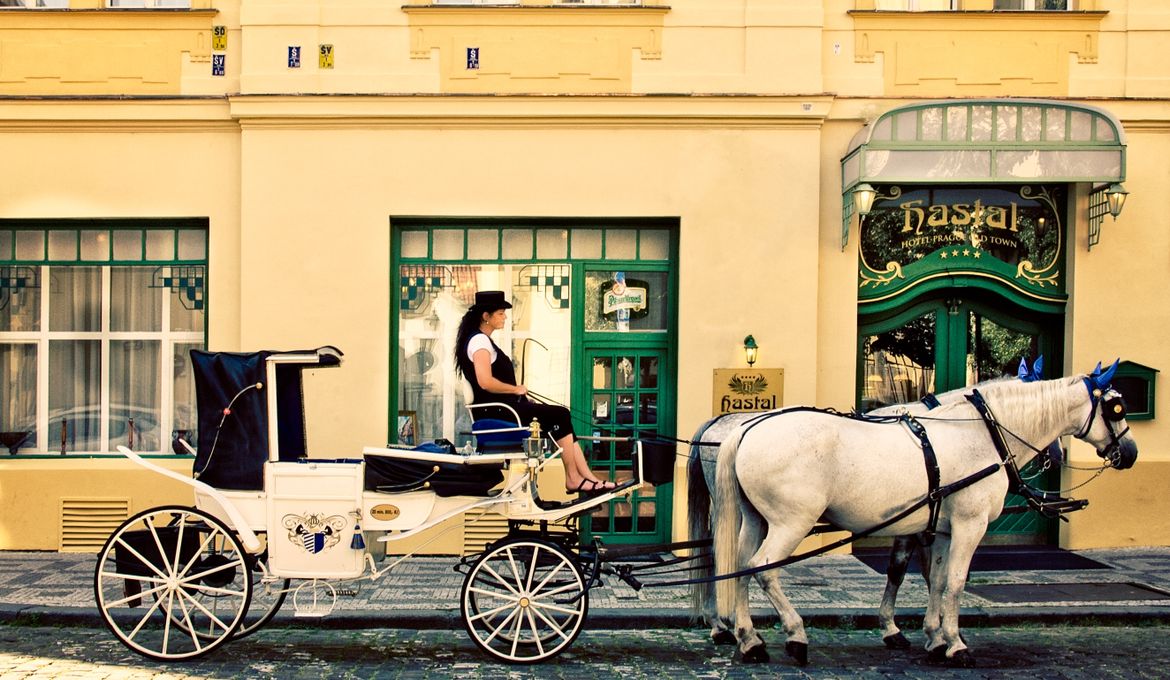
x=950 y=341
x=628 y=397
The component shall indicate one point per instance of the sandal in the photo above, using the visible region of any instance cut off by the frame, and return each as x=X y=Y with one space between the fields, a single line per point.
x=595 y=488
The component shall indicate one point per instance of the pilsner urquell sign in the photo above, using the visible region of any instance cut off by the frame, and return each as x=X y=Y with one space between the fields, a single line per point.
x=1014 y=234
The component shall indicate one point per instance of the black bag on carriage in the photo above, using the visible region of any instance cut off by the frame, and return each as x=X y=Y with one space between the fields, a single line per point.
x=451 y=479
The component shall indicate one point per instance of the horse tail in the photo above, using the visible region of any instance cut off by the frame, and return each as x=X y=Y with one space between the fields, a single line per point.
x=699 y=511
x=728 y=518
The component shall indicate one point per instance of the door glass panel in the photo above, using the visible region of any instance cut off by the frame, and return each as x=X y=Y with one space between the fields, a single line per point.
x=899 y=364
x=625 y=372
x=601 y=408
x=649 y=373
x=994 y=350
x=648 y=410
x=602 y=378
x=626 y=301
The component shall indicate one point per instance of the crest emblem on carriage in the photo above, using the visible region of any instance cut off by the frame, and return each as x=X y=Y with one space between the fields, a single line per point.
x=314 y=532
x=748 y=384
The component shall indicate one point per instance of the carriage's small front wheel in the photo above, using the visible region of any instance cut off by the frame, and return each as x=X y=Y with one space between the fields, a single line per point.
x=524 y=600
x=173 y=583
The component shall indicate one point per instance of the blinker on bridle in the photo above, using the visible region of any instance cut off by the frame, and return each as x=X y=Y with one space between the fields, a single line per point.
x=1113 y=410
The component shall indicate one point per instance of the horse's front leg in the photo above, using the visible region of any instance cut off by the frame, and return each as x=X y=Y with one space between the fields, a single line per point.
x=779 y=544
x=964 y=540
x=900 y=553
x=751 y=647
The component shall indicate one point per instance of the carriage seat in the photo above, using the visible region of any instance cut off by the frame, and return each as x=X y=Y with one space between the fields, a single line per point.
x=496 y=426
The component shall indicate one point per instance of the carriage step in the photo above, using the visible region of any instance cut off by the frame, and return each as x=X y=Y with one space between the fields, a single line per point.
x=314 y=599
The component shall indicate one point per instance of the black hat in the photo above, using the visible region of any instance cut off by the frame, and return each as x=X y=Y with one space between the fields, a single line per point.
x=490 y=301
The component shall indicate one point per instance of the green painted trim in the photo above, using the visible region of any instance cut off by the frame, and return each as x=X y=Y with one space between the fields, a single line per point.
x=946 y=281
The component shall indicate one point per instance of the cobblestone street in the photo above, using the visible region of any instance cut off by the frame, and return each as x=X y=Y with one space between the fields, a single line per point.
x=1050 y=652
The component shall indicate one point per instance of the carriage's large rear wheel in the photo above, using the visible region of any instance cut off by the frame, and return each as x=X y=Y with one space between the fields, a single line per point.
x=524 y=600
x=173 y=583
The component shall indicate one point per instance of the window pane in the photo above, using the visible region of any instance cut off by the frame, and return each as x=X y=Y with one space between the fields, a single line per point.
x=75 y=300
x=127 y=245
x=95 y=245
x=981 y=123
x=621 y=244
x=448 y=244
x=643 y=298
x=134 y=394
x=5 y=245
x=63 y=245
x=1030 y=132
x=160 y=244
x=20 y=299
x=932 y=123
x=414 y=244
x=188 y=313
x=1055 y=119
x=654 y=244
x=18 y=397
x=74 y=393
x=517 y=244
x=134 y=305
x=552 y=244
x=956 y=123
x=185 y=419
x=30 y=245
x=587 y=243
x=1082 y=126
x=192 y=244
x=483 y=244
x=906 y=125
x=1005 y=130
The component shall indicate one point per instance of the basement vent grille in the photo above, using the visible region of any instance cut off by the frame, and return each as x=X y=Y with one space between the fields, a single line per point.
x=86 y=523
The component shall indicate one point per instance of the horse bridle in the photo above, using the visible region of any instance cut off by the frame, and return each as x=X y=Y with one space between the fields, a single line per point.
x=1113 y=410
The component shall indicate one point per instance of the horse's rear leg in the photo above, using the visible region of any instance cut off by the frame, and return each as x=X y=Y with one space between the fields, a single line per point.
x=720 y=632
x=779 y=544
x=751 y=647
x=900 y=553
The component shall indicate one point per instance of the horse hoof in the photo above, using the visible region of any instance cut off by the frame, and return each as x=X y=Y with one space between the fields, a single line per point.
x=937 y=655
x=798 y=651
x=896 y=641
x=962 y=659
x=757 y=654
x=724 y=637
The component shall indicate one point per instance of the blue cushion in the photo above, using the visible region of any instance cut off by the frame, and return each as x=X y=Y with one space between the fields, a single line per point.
x=497 y=437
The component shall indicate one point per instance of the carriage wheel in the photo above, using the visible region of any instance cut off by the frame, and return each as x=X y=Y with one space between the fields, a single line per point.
x=266 y=597
x=524 y=600
x=173 y=583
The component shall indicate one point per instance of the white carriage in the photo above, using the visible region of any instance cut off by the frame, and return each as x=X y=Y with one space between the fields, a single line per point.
x=177 y=582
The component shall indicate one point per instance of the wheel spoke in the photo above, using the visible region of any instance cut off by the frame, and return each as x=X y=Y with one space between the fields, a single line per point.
x=145 y=617
x=546 y=579
x=490 y=612
x=494 y=594
x=516 y=634
x=556 y=628
x=143 y=560
x=191 y=576
x=488 y=569
x=502 y=625
x=555 y=608
x=210 y=614
x=556 y=591
x=137 y=596
x=531 y=570
x=535 y=632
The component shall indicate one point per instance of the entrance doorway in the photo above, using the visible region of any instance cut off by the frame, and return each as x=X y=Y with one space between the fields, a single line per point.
x=952 y=339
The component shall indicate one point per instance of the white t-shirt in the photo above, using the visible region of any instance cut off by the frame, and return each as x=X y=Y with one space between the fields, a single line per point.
x=481 y=341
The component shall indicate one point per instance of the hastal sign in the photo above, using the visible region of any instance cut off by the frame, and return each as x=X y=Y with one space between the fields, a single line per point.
x=746 y=390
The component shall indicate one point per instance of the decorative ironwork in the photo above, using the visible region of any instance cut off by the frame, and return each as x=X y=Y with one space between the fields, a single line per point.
x=554 y=280
x=1098 y=209
x=14 y=280
x=419 y=283
x=187 y=281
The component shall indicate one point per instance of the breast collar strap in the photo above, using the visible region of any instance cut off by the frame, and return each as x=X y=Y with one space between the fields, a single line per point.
x=932 y=476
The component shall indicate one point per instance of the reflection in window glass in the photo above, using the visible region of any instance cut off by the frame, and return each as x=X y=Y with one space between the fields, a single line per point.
x=75 y=396
x=899 y=364
x=134 y=394
x=18 y=391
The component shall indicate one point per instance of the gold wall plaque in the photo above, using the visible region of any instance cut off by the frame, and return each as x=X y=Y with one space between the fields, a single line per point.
x=385 y=511
x=745 y=390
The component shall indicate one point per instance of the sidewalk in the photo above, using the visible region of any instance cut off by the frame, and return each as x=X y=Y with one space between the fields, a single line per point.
x=1132 y=586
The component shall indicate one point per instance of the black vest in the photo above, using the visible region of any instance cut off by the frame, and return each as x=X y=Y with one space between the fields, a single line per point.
x=502 y=370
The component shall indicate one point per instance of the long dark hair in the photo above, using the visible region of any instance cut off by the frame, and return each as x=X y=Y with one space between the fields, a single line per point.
x=468 y=327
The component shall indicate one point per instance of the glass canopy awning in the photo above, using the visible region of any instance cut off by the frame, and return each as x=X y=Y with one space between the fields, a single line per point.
x=971 y=141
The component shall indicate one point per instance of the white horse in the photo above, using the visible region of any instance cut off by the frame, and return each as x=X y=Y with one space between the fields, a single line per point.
x=704 y=452
x=795 y=467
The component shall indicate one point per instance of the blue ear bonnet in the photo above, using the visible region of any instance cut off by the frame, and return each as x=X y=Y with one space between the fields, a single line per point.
x=1033 y=375
x=1101 y=380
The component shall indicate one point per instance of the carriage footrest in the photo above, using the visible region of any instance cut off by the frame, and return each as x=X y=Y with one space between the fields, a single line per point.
x=583 y=497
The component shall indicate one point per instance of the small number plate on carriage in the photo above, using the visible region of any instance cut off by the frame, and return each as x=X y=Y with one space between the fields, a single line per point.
x=385 y=511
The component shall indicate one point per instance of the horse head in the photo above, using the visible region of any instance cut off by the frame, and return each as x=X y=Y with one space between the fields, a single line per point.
x=1106 y=428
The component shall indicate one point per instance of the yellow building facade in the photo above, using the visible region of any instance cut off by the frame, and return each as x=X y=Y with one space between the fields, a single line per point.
x=285 y=175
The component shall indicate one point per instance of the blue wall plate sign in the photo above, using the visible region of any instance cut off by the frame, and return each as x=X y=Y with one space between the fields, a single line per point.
x=217 y=64
x=294 y=56
x=472 y=58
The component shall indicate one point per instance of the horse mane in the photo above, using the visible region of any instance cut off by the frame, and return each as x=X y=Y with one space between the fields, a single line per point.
x=1046 y=400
